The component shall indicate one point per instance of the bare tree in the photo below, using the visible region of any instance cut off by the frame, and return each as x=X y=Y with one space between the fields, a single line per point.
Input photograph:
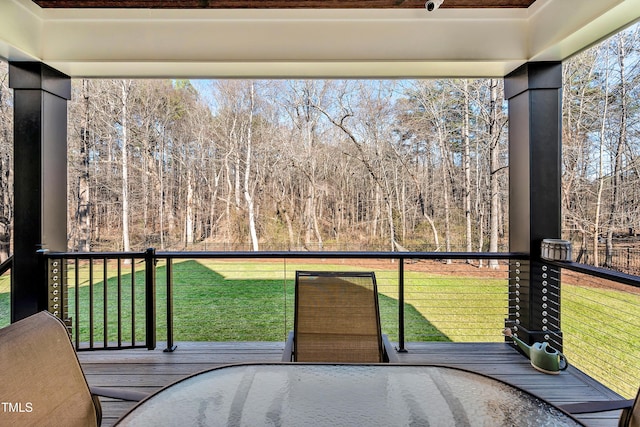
x=620 y=43
x=466 y=162
x=370 y=146
x=6 y=164
x=83 y=218
x=124 y=143
x=580 y=118
x=494 y=133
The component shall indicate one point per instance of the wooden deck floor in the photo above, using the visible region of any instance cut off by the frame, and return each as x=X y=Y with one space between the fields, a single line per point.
x=150 y=370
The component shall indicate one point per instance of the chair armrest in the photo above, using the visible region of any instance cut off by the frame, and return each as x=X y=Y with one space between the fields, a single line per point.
x=118 y=393
x=287 y=354
x=389 y=351
x=596 y=406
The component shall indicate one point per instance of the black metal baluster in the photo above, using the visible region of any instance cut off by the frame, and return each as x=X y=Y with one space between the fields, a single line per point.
x=150 y=298
x=91 y=302
x=133 y=302
x=119 y=269
x=105 y=305
x=169 y=281
x=401 y=348
x=77 y=303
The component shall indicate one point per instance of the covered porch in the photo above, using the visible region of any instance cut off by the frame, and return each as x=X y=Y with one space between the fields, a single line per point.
x=523 y=41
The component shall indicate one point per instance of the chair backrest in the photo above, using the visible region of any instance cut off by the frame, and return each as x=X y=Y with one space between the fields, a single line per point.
x=631 y=417
x=41 y=380
x=337 y=318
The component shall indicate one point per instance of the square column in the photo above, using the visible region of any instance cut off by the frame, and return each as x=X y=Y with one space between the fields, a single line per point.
x=40 y=179
x=534 y=93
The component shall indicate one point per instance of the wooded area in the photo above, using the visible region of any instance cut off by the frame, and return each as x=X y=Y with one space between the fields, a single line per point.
x=332 y=164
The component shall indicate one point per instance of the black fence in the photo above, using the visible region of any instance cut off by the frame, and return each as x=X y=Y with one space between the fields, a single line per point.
x=626 y=260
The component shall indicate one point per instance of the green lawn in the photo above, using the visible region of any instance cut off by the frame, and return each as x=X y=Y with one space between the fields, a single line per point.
x=5 y=300
x=222 y=302
x=600 y=330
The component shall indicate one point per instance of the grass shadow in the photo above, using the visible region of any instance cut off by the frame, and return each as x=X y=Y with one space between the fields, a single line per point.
x=417 y=328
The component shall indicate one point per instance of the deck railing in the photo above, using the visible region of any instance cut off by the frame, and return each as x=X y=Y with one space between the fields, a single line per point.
x=219 y=296
x=601 y=324
x=106 y=298
x=119 y=300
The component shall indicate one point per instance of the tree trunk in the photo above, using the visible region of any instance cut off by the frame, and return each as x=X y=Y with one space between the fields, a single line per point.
x=467 y=169
x=494 y=168
x=161 y=191
x=601 y=177
x=126 y=87
x=622 y=140
x=189 y=220
x=83 y=218
x=247 y=172
x=446 y=189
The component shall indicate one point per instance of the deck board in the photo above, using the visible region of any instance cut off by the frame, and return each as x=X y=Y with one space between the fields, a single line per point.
x=144 y=370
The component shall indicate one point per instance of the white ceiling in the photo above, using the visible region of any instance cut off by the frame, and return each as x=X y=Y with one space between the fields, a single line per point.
x=305 y=42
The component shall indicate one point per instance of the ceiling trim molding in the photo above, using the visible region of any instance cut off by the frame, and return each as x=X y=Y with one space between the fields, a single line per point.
x=303 y=42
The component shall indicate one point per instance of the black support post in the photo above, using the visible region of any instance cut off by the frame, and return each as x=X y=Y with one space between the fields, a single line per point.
x=534 y=92
x=40 y=178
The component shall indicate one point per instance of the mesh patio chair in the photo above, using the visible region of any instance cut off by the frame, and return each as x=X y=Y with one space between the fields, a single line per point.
x=42 y=383
x=630 y=416
x=337 y=319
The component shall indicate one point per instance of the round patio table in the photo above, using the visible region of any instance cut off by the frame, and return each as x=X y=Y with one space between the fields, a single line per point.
x=342 y=395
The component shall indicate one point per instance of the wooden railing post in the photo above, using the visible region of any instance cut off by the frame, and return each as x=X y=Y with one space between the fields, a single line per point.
x=150 y=297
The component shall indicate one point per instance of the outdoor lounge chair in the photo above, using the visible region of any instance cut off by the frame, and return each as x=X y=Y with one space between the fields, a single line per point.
x=337 y=320
x=630 y=416
x=42 y=383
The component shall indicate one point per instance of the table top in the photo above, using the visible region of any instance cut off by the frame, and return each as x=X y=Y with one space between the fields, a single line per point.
x=342 y=395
